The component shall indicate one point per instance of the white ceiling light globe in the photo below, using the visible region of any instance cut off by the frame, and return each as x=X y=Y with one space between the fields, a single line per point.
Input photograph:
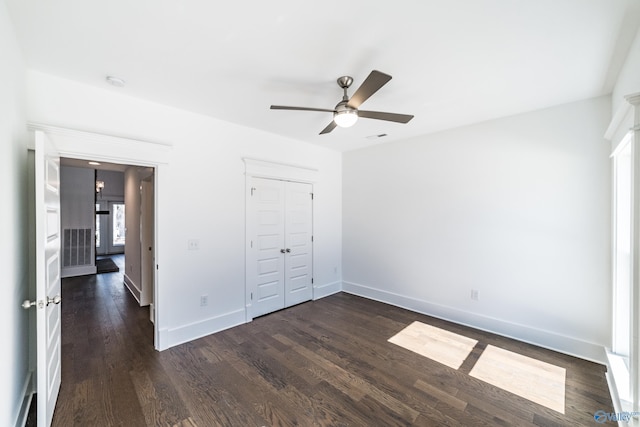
x=345 y=118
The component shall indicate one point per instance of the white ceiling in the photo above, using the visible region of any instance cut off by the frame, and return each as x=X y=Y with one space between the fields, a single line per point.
x=453 y=62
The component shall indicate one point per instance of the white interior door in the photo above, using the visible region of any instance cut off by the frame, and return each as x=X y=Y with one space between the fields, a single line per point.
x=266 y=272
x=279 y=264
x=298 y=242
x=147 y=261
x=47 y=205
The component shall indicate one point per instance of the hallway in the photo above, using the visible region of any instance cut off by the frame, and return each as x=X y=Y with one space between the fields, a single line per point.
x=101 y=322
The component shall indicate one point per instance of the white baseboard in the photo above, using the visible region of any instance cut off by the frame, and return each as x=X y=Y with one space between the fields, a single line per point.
x=28 y=389
x=170 y=337
x=541 y=338
x=325 y=290
x=133 y=288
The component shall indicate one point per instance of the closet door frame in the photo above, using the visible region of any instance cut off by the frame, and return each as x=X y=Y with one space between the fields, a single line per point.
x=256 y=168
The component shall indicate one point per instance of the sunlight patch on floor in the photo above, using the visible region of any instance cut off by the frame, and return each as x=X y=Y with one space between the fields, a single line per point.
x=532 y=379
x=444 y=347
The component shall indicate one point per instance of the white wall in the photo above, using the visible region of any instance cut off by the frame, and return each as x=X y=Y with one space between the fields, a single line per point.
x=77 y=195
x=629 y=77
x=200 y=196
x=516 y=208
x=14 y=321
x=77 y=198
x=113 y=185
x=628 y=83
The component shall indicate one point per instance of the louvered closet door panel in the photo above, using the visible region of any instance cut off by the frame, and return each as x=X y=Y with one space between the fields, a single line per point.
x=298 y=235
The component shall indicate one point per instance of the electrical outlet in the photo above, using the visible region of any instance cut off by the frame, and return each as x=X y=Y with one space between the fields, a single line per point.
x=204 y=300
x=474 y=294
x=193 y=245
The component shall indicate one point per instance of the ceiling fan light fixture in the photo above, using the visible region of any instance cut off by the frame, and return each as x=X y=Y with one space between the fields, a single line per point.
x=345 y=119
x=345 y=116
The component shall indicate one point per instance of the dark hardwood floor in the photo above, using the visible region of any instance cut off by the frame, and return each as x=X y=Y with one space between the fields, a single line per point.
x=322 y=363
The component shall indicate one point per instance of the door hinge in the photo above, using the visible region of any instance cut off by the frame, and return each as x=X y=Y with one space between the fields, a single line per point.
x=311 y=196
x=251 y=296
x=252 y=190
x=312 y=280
x=312 y=238
x=252 y=243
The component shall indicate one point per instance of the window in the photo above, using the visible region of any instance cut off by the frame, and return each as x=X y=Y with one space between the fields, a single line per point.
x=119 y=229
x=97 y=226
x=623 y=214
x=622 y=194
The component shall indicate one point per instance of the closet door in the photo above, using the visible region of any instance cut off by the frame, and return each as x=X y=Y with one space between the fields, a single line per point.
x=298 y=242
x=279 y=261
x=266 y=263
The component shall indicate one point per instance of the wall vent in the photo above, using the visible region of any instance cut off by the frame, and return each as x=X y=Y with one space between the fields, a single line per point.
x=77 y=247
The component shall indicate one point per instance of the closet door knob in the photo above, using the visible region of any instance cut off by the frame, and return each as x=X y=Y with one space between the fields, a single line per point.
x=282 y=251
x=288 y=250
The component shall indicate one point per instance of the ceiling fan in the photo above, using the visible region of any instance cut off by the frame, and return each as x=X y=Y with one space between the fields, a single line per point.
x=346 y=113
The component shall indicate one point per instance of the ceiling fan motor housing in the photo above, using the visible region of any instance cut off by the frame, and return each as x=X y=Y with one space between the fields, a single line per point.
x=342 y=108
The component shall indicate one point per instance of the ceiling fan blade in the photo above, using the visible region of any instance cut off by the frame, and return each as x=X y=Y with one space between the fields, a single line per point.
x=331 y=126
x=371 y=84
x=390 y=117
x=282 y=107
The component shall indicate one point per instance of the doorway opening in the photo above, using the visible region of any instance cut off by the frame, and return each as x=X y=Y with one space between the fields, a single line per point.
x=107 y=213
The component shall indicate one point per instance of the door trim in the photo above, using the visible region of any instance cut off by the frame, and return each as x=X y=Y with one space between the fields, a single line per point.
x=255 y=168
x=73 y=144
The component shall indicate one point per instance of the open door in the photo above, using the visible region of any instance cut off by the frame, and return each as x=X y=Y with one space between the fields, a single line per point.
x=47 y=304
x=147 y=244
